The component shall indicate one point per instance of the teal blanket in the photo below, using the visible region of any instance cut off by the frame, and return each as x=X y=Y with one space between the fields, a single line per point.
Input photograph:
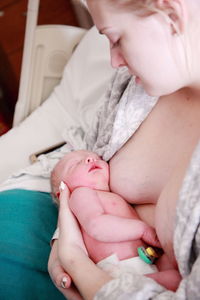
x=27 y=222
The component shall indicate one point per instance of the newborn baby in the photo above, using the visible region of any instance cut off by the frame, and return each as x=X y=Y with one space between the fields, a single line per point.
x=111 y=229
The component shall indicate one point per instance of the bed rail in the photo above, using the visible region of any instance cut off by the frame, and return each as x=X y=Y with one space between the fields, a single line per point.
x=46 y=51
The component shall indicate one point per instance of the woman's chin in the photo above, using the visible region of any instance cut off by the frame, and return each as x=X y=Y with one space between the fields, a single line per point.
x=153 y=92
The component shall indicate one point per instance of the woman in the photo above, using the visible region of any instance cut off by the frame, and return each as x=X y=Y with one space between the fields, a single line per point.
x=158 y=42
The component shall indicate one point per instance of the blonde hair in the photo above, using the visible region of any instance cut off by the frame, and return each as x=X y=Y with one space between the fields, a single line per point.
x=143 y=6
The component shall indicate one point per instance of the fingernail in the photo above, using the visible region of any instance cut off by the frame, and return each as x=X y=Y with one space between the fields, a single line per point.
x=62 y=186
x=63 y=282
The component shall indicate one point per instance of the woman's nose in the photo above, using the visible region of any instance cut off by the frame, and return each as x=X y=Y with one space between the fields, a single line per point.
x=117 y=59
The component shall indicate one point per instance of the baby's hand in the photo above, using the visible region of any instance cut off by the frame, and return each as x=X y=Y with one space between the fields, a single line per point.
x=150 y=237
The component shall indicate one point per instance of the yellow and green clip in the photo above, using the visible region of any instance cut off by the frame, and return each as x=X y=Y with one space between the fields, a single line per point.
x=148 y=255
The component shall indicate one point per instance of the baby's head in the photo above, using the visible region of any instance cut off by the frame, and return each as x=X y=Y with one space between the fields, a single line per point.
x=80 y=169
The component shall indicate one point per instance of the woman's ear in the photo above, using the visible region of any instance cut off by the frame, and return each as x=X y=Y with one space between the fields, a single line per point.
x=175 y=13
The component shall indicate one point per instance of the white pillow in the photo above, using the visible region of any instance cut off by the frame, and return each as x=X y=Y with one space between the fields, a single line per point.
x=73 y=101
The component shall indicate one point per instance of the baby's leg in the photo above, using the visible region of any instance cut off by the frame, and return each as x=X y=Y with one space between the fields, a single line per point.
x=170 y=279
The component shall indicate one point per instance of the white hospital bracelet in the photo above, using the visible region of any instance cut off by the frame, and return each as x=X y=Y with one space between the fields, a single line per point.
x=55 y=236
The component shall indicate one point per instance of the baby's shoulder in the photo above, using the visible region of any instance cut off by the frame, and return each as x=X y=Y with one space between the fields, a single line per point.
x=82 y=190
x=109 y=196
x=111 y=201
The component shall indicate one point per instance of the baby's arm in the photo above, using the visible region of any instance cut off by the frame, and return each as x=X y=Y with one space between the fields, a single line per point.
x=88 y=209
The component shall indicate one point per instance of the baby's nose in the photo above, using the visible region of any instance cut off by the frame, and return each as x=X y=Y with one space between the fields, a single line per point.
x=89 y=160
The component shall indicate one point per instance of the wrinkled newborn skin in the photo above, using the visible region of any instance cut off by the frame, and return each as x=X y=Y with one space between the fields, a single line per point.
x=108 y=223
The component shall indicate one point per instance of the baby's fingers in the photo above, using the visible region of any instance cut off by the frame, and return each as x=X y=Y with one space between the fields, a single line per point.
x=150 y=237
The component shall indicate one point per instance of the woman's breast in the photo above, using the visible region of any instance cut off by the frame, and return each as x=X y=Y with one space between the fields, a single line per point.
x=143 y=166
x=132 y=179
x=134 y=173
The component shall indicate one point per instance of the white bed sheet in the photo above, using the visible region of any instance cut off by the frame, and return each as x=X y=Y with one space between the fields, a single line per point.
x=73 y=101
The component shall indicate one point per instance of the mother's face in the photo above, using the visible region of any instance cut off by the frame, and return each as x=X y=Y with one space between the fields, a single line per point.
x=146 y=45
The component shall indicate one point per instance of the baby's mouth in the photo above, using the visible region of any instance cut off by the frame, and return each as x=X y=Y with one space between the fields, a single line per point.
x=94 y=167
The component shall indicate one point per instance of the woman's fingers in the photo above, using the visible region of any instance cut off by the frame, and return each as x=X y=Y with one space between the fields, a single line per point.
x=63 y=282
x=56 y=271
x=66 y=220
x=60 y=278
x=71 y=294
x=70 y=234
x=63 y=187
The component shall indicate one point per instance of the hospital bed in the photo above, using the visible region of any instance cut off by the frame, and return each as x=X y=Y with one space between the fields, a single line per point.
x=65 y=71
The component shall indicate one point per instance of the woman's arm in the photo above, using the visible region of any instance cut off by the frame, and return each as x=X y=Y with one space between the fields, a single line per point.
x=73 y=256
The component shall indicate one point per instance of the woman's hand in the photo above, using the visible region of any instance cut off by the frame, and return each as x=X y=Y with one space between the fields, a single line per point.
x=70 y=237
x=73 y=257
x=70 y=240
x=57 y=273
x=59 y=277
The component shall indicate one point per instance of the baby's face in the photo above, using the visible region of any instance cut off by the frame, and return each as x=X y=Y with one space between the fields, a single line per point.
x=84 y=168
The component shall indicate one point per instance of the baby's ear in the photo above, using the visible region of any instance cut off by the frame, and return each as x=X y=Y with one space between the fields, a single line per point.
x=175 y=13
